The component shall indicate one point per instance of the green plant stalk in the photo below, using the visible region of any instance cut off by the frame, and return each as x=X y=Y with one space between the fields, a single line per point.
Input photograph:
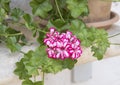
x=43 y=78
x=11 y=34
x=41 y=31
x=59 y=10
x=22 y=52
x=34 y=78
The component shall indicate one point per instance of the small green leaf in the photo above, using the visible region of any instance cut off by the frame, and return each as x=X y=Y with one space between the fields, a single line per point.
x=29 y=22
x=77 y=25
x=27 y=82
x=32 y=69
x=101 y=43
x=27 y=18
x=39 y=83
x=31 y=63
x=69 y=63
x=5 y=4
x=2 y=14
x=2 y=28
x=41 y=8
x=21 y=71
x=16 y=14
x=40 y=39
x=11 y=43
x=77 y=7
x=58 y=24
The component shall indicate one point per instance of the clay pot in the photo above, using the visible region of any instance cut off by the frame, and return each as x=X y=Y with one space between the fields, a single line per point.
x=99 y=10
x=106 y=24
x=100 y=15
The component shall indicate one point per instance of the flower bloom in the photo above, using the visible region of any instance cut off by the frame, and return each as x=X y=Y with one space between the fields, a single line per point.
x=62 y=45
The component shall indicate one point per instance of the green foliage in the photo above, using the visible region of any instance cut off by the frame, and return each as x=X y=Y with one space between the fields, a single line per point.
x=13 y=39
x=21 y=71
x=29 y=22
x=58 y=24
x=61 y=14
x=29 y=82
x=41 y=7
x=16 y=14
x=100 y=44
x=2 y=14
x=5 y=5
x=41 y=38
x=12 y=44
x=37 y=61
x=97 y=39
x=77 y=7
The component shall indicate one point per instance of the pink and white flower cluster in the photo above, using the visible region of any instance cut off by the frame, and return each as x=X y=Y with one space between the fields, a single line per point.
x=62 y=45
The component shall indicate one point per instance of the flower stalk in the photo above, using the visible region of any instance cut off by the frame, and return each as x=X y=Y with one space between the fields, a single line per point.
x=58 y=9
x=43 y=77
x=11 y=34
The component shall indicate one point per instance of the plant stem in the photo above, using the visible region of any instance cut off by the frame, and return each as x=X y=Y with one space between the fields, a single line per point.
x=34 y=78
x=43 y=77
x=11 y=34
x=59 y=10
x=115 y=43
x=41 y=31
x=114 y=35
x=22 y=52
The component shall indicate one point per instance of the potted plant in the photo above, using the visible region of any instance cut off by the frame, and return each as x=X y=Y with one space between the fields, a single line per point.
x=60 y=40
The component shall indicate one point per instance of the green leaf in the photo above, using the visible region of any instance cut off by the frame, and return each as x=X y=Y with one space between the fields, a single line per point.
x=31 y=63
x=11 y=31
x=29 y=22
x=101 y=43
x=16 y=14
x=27 y=82
x=59 y=24
x=32 y=69
x=11 y=43
x=77 y=25
x=21 y=71
x=27 y=18
x=34 y=60
x=5 y=4
x=91 y=37
x=41 y=8
x=49 y=65
x=39 y=83
x=69 y=63
x=81 y=31
x=2 y=29
x=40 y=39
x=2 y=14
x=77 y=7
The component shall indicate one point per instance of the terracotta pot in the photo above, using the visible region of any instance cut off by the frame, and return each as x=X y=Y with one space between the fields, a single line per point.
x=100 y=15
x=114 y=17
x=99 y=10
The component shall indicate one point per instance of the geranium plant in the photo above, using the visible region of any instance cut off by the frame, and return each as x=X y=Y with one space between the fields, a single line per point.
x=60 y=39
